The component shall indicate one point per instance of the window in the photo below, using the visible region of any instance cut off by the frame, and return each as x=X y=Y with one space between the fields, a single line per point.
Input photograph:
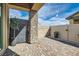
x=76 y=21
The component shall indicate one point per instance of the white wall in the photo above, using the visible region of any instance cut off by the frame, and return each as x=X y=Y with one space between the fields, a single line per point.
x=42 y=31
x=74 y=32
x=62 y=31
x=71 y=35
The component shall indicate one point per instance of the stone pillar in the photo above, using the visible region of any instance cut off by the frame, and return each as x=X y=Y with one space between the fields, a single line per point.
x=33 y=27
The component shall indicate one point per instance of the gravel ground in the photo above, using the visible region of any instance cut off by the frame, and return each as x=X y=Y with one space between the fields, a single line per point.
x=45 y=47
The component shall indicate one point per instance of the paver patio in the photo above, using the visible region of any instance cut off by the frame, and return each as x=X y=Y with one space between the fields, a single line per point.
x=45 y=47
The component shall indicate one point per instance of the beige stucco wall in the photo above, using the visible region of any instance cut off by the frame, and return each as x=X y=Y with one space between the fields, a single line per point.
x=42 y=31
x=74 y=32
x=62 y=31
x=71 y=35
x=71 y=21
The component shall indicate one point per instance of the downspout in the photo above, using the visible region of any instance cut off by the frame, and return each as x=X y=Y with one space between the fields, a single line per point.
x=68 y=32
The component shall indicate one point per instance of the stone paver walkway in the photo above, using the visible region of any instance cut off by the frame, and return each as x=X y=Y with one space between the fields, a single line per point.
x=45 y=47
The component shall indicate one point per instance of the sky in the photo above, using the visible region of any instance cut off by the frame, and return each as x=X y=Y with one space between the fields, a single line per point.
x=18 y=14
x=50 y=14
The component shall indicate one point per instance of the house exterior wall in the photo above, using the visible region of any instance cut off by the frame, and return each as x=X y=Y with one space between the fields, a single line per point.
x=74 y=32
x=71 y=35
x=42 y=31
x=71 y=21
x=62 y=31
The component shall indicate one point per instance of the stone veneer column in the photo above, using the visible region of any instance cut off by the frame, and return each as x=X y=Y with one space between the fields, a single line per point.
x=33 y=27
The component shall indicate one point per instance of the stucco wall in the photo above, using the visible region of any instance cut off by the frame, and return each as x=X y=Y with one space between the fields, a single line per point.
x=74 y=32
x=42 y=31
x=71 y=35
x=62 y=31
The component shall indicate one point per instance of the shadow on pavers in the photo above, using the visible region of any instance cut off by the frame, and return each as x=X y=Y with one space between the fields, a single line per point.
x=67 y=42
x=9 y=52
